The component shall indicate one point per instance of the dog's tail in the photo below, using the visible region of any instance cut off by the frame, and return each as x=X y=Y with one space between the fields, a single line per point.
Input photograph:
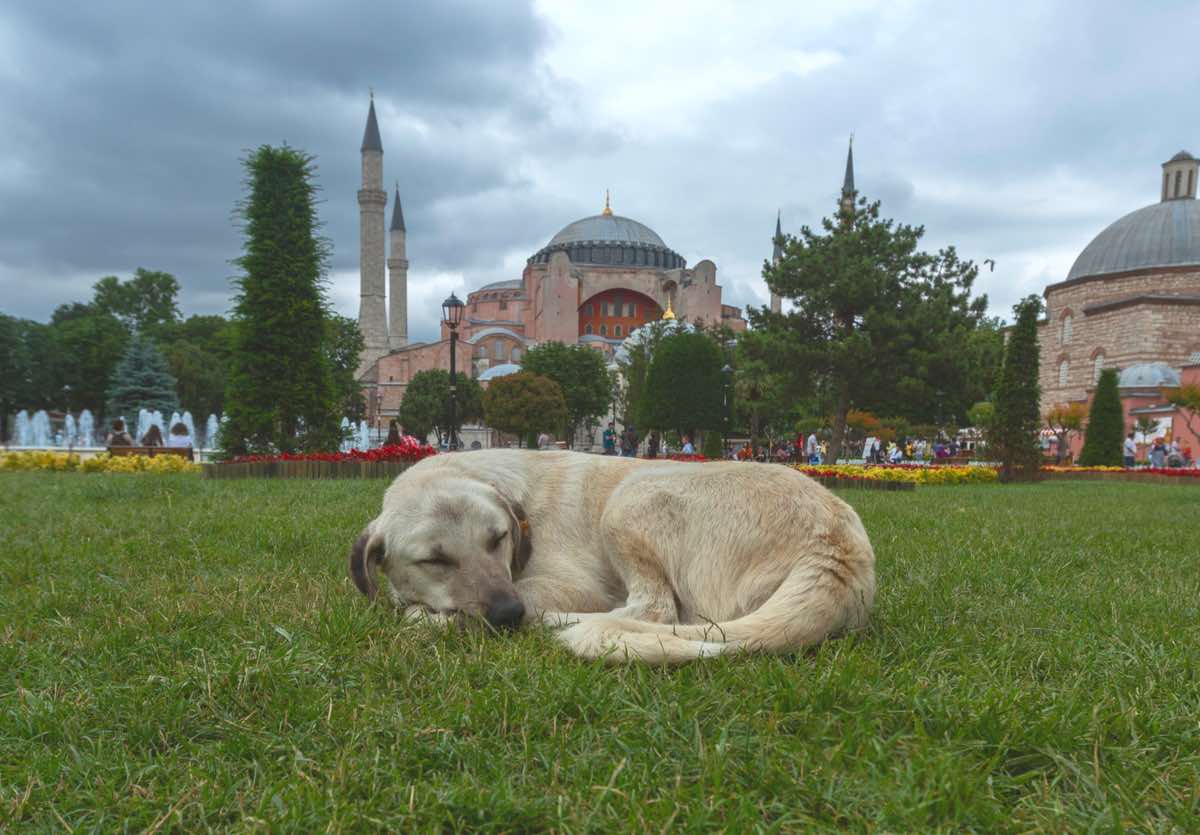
x=819 y=599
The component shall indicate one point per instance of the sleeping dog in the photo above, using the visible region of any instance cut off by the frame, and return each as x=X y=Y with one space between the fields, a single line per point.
x=629 y=559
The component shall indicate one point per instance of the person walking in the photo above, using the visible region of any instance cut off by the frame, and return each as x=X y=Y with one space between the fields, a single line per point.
x=811 y=450
x=1130 y=451
x=1158 y=454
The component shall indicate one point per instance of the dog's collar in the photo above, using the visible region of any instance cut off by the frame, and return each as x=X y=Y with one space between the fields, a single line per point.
x=523 y=524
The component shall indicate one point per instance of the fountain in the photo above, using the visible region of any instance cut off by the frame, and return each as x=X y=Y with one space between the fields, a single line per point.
x=22 y=433
x=187 y=421
x=346 y=443
x=70 y=435
x=39 y=429
x=211 y=429
x=87 y=425
x=146 y=419
x=364 y=436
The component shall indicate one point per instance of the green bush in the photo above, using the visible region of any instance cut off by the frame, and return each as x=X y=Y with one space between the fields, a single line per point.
x=712 y=446
x=1106 y=425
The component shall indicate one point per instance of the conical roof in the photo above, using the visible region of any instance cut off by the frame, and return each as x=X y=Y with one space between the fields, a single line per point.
x=371 y=140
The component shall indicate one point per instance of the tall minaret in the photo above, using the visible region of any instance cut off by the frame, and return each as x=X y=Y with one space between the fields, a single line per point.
x=848 y=191
x=397 y=265
x=776 y=257
x=372 y=201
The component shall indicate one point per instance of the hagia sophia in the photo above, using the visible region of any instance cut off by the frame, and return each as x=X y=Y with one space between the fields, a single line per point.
x=1130 y=301
x=593 y=283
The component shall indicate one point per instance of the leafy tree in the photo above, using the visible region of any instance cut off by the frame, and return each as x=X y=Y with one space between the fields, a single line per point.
x=1187 y=399
x=343 y=346
x=1145 y=425
x=712 y=448
x=581 y=374
x=982 y=415
x=200 y=378
x=876 y=322
x=524 y=404
x=1064 y=420
x=141 y=380
x=16 y=370
x=426 y=404
x=85 y=346
x=683 y=387
x=635 y=364
x=146 y=303
x=1014 y=433
x=280 y=392
x=755 y=387
x=1103 y=441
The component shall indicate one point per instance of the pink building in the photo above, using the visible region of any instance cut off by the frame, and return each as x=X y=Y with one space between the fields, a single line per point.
x=593 y=283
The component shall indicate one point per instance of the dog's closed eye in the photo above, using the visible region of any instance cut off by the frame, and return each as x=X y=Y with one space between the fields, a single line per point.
x=438 y=558
x=496 y=539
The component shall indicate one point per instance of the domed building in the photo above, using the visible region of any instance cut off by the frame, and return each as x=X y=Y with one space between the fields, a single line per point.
x=594 y=283
x=1130 y=301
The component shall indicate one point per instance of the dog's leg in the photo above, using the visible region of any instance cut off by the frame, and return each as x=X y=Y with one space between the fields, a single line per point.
x=649 y=594
x=554 y=602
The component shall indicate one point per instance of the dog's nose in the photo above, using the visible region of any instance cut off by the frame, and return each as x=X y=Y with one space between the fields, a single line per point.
x=505 y=613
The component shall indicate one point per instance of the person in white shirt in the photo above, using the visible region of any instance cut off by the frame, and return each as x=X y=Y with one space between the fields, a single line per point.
x=1130 y=451
x=688 y=449
x=811 y=449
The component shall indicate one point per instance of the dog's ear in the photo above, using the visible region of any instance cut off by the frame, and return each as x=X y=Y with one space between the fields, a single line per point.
x=365 y=557
x=519 y=532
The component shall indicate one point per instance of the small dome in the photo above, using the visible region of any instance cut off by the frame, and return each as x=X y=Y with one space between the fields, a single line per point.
x=1164 y=234
x=1148 y=375
x=1182 y=156
x=502 y=370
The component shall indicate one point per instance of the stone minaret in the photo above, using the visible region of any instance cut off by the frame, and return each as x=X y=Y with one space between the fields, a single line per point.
x=848 y=191
x=372 y=202
x=776 y=257
x=397 y=266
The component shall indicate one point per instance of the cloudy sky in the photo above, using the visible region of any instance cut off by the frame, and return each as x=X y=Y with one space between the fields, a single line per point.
x=1015 y=131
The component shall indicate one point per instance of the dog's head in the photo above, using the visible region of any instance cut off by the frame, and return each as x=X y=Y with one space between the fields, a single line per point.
x=453 y=547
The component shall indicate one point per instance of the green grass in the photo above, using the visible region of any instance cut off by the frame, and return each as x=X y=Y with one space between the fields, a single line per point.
x=188 y=654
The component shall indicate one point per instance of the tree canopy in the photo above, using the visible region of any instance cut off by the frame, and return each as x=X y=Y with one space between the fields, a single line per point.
x=581 y=375
x=1016 y=421
x=280 y=393
x=141 y=380
x=145 y=303
x=876 y=323
x=683 y=388
x=524 y=404
x=1103 y=440
x=426 y=404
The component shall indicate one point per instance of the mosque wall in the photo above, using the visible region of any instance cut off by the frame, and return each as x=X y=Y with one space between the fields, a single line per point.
x=1099 y=318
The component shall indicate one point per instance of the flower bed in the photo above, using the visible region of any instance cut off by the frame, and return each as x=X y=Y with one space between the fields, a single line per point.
x=904 y=473
x=384 y=462
x=102 y=463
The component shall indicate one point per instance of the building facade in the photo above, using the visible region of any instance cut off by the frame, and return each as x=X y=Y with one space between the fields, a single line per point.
x=1131 y=301
x=594 y=282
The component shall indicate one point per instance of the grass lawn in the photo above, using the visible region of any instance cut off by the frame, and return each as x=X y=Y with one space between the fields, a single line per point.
x=185 y=654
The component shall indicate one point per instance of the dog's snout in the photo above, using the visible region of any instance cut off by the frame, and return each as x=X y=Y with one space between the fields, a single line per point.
x=505 y=612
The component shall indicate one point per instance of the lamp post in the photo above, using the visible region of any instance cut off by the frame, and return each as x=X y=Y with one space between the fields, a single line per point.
x=727 y=376
x=452 y=311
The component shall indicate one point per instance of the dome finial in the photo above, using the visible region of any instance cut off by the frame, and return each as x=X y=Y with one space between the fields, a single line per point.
x=607 y=209
x=668 y=314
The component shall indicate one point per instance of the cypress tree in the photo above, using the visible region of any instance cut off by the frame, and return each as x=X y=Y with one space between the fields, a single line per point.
x=1105 y=433
x=1016 y=419
x=141 y=380
x=280 y=393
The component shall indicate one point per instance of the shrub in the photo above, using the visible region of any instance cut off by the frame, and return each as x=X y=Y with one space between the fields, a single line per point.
x=1105 y=426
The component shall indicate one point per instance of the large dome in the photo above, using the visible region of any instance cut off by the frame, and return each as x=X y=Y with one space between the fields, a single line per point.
x=610 y=240
x=1164 y=234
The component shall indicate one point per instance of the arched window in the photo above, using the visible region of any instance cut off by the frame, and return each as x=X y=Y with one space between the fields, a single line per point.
x=1178 y=181
x=1064 y=328
x=604 y=330
x=1097 y=367
x=481 y=350
x=588 y=328
x=1064 y=368
x=617 y=331
x=516 y=354
x=1191 y=173
x=498 y=349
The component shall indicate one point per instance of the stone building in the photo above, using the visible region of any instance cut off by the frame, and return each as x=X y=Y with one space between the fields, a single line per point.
x=1131 y=300
x=593 y=283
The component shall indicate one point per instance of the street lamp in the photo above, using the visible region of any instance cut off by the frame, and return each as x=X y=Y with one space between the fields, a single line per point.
x=727 y=374
x=452 y=311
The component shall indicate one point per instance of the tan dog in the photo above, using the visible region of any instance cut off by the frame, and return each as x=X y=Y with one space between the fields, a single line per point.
x=657 y=560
